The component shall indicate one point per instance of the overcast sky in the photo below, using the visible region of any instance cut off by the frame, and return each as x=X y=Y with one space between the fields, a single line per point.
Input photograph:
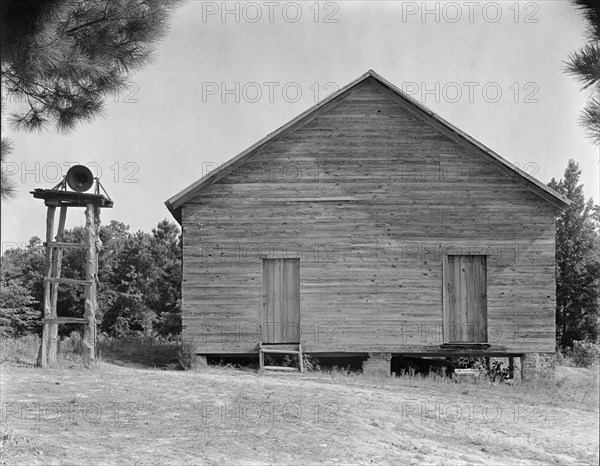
x=222 y=80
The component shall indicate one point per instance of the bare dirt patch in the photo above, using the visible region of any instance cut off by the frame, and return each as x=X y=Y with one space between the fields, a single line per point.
x=123 y=415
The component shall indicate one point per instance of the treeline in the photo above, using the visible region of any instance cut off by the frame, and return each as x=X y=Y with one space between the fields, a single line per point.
x=139 y=289
x=577 y=266
x=140 y=277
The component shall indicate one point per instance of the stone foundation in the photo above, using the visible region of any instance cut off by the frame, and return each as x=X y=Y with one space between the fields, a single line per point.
x=515 y=367
x=378 y=365
x=538 y=365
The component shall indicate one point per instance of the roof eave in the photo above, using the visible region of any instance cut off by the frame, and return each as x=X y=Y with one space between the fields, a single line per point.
x=175 y=212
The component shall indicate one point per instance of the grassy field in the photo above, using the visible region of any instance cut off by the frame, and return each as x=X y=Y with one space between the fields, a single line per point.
x=117 y=414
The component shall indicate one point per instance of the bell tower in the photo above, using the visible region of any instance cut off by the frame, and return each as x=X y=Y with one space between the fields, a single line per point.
x=80 y=180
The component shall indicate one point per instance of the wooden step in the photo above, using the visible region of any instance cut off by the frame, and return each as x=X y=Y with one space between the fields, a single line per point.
x=280 y=368
x=68 y=281
x=276 y=351
x=466 y=374
x=280 y=348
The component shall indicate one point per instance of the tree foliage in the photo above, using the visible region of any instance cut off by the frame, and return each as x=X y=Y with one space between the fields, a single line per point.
x=577 y=263
x=139 y=287
x=60 y=58
x=142 y=291
x=584 y=64
x=8 y=187
x=21 y=289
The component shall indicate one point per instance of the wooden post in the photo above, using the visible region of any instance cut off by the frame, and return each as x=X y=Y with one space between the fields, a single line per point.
x=57 y=254
x=261 y=356
x=45 y=343
x=97 y=247
x=89 y=314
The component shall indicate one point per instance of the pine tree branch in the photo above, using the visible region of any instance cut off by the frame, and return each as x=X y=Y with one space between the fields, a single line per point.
x=91 y=23
x=64 y=69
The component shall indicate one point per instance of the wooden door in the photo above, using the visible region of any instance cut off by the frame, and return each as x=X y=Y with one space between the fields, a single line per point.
x=280 y=315
x=465 y=299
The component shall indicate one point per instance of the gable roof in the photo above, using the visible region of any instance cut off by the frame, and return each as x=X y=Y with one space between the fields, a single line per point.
x=417 y=108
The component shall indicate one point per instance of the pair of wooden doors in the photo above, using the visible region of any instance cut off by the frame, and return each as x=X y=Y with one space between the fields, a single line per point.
x=280 y=313
x=465 y=299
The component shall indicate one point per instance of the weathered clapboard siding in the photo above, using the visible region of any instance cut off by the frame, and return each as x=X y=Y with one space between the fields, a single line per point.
x=369 y=197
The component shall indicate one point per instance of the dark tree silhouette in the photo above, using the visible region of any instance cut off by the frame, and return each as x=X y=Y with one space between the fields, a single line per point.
x=8 y=188
x=577 y=263
x=61 y=58
x=584 y=64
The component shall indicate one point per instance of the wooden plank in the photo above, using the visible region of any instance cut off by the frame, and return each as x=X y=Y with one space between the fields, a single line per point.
x=470 y=302
x=277 y=306
x=272 y=302
x=89 y=331
x=454 y=301
x=311 y=199
x=45 y=342
x=462 y=310
x=287 y=301
x=475 y=307
x=481 y=295
x=65 y=320
x=264 y=302
x=261 y=357
x=56 y=269
x=280 y=368
x=96 y=264
x=70 y=198
x=280 y=346
x=68 y=281
x=264 y=350
x=446 y=294
x=62 y=245
x=295 y=317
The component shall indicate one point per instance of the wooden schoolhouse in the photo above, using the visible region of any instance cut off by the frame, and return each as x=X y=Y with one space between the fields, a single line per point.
x=370 y=226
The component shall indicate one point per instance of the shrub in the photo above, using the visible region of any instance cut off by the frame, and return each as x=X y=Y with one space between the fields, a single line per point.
x=139 y=349
x=562 y=357
x=497 y=372
x=311 y=363
x=466 y=362
x=22 y=350
x=188 y=359
x=73 y=344
x=584 y=353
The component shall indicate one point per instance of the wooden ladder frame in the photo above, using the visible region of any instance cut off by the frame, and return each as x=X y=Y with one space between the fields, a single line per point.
x=48 y=352
x=272 y=350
